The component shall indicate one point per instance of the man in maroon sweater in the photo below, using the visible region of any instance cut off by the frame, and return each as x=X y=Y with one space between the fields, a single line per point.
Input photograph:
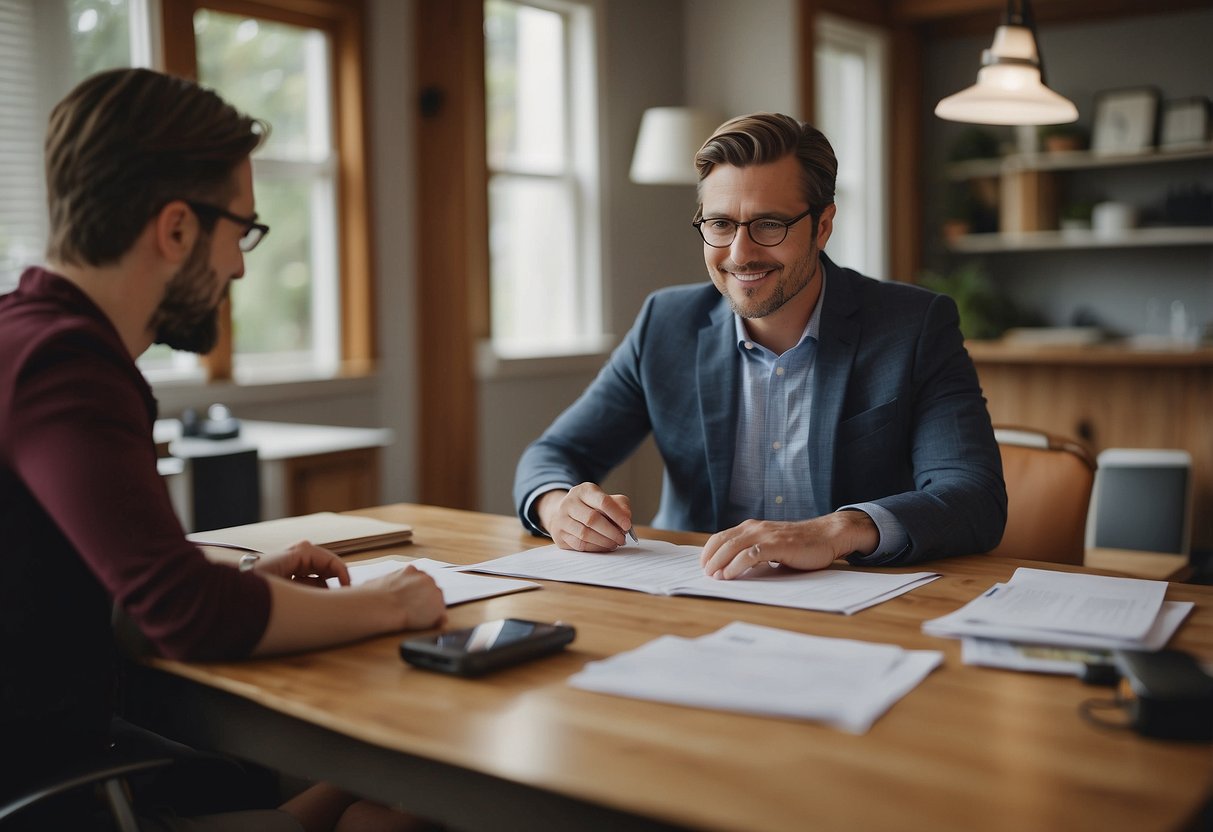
x=151 y=212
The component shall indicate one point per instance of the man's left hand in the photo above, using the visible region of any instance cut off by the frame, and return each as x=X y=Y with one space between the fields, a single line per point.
x=804 y=544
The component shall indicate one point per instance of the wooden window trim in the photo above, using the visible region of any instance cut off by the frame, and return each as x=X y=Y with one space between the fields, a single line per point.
x=343 y=21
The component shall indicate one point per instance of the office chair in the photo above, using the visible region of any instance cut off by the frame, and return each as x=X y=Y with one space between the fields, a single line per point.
x=1142 y=500
x=1049 y=480
x=110 y=775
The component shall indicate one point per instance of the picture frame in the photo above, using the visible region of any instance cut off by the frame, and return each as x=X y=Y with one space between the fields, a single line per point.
x=1186 y=122
x=1126 y=120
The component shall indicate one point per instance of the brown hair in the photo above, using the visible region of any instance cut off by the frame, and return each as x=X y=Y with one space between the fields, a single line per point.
x=760 y=138
x=126 y=142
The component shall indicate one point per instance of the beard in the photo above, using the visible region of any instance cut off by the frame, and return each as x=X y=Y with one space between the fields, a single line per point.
x=752 y=303
x=187 y=317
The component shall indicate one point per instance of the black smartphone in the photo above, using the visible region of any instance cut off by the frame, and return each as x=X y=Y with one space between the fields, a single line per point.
x=473 y=651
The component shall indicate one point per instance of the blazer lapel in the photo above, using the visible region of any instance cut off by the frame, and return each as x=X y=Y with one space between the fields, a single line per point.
x=718 y=376
x=837 y=343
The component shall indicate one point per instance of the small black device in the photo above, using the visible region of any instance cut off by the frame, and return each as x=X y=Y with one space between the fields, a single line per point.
x=473 y=651
x=1166 y=694
x=219 y=423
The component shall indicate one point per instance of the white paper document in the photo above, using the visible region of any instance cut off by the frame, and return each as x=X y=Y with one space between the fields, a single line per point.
x=1038 y=606
x=661 y=568
x=768 y=672
x=457 y=587
x=1071 y=602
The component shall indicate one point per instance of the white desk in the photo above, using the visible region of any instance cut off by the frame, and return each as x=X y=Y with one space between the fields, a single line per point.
x=304 y=468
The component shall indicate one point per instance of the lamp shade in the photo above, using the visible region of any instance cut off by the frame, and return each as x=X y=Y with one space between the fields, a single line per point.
x=666 y=145
x=1009 y=89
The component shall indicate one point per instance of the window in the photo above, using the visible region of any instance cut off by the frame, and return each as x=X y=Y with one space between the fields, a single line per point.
x=541 y=131
x=304 y=308
x=285 y=313
x=850 y=93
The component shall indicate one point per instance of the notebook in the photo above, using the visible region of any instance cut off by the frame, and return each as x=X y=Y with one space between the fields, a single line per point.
x=343 y=534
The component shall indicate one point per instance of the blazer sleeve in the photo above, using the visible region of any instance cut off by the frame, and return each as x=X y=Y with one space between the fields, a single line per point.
x=959 y=505
x=598 y=431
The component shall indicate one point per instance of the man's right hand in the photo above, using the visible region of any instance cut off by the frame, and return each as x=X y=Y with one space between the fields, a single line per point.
x=586 y=519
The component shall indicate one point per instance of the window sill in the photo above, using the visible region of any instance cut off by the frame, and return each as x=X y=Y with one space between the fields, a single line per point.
x=586 y=357
x=175 y=396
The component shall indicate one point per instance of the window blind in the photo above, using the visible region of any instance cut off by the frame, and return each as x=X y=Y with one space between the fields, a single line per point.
x=22 y=204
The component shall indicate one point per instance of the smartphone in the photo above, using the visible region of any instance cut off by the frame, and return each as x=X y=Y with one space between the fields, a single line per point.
x=473 y=651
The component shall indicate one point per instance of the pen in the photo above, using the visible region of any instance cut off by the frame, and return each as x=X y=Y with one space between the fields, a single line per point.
x=631 y=532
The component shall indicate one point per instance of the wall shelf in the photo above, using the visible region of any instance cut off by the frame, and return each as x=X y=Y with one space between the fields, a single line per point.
x=1060 y=240
x=1070 y=160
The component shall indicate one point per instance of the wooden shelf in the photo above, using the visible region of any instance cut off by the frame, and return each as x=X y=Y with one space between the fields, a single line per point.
x=1059 y=240
x=1071 y=160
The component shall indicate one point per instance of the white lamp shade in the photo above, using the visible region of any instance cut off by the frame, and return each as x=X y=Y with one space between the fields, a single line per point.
x=666 y=146
x=1010 y=92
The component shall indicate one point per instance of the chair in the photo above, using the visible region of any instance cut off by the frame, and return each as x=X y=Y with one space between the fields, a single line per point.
x=1142 y=500
x=110 y=776
x=1049 y=481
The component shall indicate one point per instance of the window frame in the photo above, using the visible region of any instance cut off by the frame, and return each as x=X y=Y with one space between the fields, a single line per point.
x=342 y=21
x=871 y=43
x=581 y=177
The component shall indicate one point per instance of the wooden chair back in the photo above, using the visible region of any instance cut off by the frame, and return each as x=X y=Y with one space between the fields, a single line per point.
x=1049 y=480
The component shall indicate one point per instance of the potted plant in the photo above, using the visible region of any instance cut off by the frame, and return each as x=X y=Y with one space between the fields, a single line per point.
x=1076 y=217
x=1059 y=138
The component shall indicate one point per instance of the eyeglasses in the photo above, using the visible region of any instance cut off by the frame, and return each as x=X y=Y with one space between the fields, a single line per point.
x=254 y=232
x=718 y=232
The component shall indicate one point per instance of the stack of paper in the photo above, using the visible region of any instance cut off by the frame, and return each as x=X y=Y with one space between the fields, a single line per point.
x=342 y=534
x=1042 y=607
x=661 y=568
x=759 y=670
x=457 y=587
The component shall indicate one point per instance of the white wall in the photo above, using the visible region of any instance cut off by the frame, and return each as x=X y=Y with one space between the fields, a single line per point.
x=743 y=57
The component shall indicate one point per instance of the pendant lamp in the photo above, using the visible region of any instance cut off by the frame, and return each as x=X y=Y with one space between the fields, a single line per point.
x=1010 y=86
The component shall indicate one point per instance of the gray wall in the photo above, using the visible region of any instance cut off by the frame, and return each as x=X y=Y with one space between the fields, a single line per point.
x=1168 y=51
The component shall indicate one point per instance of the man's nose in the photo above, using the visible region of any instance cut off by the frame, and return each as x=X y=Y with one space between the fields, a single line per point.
x=742 y=247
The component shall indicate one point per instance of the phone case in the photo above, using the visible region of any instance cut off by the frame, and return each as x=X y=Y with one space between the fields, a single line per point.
x=426 y=654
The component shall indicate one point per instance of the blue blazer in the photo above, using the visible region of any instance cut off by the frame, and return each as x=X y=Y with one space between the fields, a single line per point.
x=898 y=415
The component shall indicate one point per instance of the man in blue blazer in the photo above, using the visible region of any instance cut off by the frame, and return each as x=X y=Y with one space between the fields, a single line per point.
x=804 y=412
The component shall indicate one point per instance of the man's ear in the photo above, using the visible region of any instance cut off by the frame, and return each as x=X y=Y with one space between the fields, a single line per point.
x=176 y=230
x=825 y=225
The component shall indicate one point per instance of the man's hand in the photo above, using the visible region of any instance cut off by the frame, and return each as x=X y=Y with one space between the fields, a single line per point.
x=586 y=519
x=301 y=562
x=805 y=544
x=415 y=599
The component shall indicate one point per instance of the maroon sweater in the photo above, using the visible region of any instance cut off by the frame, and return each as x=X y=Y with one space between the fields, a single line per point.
x=86 y=522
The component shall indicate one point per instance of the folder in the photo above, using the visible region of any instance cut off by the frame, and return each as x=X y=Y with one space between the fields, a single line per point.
x=342 y=534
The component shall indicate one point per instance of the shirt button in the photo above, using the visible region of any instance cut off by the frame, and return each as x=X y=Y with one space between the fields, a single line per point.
x=748 y=345
x=779 y=371
x=777 y=445
x=779 y=501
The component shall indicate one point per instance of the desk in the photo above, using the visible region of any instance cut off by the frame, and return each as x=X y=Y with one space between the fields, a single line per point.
x=304 y=468
x=969 y=748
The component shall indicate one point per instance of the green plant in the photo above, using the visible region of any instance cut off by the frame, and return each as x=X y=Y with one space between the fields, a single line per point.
x=974 y=143
x=1080 y=210
x=985 y=312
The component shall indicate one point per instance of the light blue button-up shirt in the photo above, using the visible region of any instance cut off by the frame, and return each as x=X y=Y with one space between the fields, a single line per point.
x=771 y=461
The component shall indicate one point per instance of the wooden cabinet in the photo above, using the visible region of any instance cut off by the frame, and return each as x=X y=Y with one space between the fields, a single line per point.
x=1110 y=397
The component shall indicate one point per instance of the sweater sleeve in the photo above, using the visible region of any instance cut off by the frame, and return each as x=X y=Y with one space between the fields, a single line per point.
x=83 y=447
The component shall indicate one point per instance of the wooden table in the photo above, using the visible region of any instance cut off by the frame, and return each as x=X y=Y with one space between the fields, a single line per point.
x=970 y=748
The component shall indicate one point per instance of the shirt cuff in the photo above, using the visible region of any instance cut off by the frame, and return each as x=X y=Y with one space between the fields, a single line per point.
x=529 y=518
x=893 y=543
